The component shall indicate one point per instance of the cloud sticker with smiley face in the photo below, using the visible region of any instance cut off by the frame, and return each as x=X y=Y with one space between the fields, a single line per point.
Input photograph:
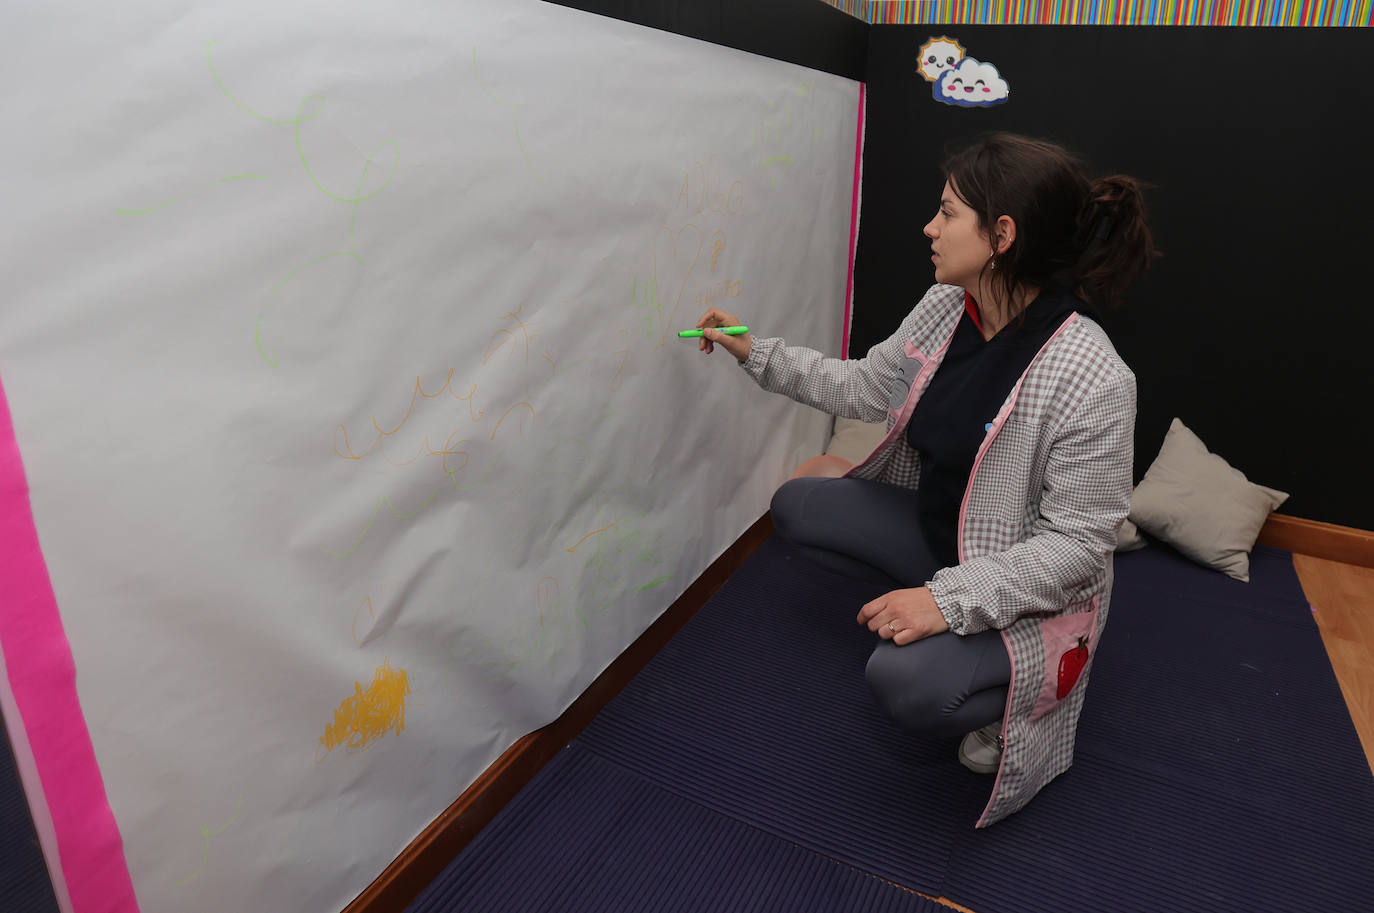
x=971 y=84
x=938 y=55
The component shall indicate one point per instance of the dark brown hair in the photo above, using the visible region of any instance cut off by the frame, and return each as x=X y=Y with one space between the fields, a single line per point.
x=1092 y=233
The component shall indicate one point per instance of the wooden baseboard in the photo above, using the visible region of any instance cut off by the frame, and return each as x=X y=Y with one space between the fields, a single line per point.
x=1320 y=540
x=439 y=843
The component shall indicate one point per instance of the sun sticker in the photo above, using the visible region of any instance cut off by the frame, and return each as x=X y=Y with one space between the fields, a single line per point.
x=971 y=84
x=938 y=55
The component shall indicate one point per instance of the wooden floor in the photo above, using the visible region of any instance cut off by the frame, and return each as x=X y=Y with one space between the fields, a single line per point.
x=1343 y=598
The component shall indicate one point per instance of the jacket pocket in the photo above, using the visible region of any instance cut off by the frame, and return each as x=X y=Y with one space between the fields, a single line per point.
x=1069 y=642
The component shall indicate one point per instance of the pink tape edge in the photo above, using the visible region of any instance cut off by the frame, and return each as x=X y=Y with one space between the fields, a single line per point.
x=853 y=224
x=40 y=678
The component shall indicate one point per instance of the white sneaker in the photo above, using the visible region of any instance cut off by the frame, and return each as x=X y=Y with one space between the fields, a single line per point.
x=981 y=749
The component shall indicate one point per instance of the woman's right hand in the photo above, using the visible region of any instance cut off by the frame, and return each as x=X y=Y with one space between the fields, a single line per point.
x=737 y=346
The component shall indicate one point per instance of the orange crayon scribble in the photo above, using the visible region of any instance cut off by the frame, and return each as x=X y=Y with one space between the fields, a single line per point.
x=367 y=715
x=526 y=331
x=543 y=593
x=426 y=448
x=508 y=412
x=367 y=604
x=589 y=535
x=672 y=259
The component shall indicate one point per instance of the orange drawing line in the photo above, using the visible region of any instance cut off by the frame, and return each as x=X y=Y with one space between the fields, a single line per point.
x=428 y=448
x=367 y=601
x=682 y=288
x=508 y=412
x=589 y=535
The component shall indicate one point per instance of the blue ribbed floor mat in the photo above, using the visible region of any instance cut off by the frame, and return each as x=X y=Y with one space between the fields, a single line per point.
x=758 y=709
x=1217 y=770
x=24 y=884
x=1217 y=766
x=588 y=835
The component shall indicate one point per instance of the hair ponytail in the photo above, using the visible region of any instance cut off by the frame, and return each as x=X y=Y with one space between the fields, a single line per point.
x=1115 y=240
x=1092 y=235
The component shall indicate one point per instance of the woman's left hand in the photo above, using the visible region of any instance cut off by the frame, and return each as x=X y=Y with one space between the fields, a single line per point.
x=903 y=616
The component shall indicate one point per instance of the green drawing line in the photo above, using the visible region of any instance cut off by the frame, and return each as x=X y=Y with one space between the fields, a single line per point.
x=515 y=109
x=206 y=833
x=295 y=124
x=384 y=500
x=257 y=332
x=653 y=583
x=227 y=94
x=396 y=160
x=232 y=177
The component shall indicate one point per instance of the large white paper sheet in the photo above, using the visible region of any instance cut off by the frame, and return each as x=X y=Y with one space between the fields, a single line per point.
x=340 y=346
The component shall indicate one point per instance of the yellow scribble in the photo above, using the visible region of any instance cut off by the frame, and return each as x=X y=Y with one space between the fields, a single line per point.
x=367 y=715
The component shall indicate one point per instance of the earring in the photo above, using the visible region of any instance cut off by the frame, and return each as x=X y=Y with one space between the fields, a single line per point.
x=992 y=263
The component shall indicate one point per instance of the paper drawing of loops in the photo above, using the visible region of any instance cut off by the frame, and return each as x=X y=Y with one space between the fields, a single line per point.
x=368 y=714
x=667 y=266
x=316 y=105
x=426 y=449
x=272 y=358
x=206 y=832
x=515 y=116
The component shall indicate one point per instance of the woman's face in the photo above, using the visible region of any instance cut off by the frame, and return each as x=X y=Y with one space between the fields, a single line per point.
x=960 y=247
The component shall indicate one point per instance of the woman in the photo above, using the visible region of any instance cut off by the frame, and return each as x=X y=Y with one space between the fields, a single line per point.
x=993 y=502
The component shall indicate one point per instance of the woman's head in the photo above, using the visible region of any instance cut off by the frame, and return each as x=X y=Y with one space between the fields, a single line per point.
x=1019 y=212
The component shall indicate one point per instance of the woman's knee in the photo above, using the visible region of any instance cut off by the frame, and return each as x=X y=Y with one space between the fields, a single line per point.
x=788 y=504
x=903 y=691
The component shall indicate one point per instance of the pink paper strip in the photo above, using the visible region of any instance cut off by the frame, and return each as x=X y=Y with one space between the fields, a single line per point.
x=42 y=679
x=853 y=224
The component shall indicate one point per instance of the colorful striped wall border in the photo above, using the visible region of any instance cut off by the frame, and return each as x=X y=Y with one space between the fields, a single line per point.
x=1117 y=12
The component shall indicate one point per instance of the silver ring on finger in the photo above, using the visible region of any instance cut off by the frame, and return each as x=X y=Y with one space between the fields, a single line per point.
x=891 y=627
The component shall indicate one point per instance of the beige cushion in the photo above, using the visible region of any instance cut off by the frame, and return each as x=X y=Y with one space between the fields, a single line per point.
x=1201 y=505
x=1128 y=537
x=853 y=440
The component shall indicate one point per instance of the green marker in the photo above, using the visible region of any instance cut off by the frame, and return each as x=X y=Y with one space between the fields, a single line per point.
x=728 y=331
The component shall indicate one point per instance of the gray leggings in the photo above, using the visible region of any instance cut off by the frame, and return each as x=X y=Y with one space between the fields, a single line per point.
x=946 y=684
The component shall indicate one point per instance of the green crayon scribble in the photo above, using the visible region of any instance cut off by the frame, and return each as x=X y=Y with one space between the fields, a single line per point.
x=209 y=58
x=295 y=123
x=206 y=833
x=653 y=583
x=232 y=177
x=515 y=106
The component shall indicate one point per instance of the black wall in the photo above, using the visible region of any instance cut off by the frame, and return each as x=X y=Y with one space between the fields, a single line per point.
x=805 y=32
x=1255 y=326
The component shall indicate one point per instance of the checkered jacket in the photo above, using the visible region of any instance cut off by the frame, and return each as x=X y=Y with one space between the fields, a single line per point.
x=1050 y=486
